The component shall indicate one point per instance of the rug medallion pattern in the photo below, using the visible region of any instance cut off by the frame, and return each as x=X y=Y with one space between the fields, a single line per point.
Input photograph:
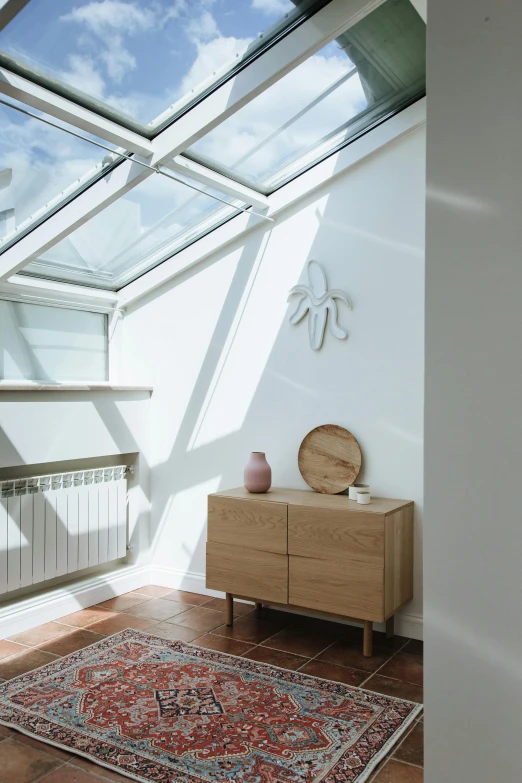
x=171 y=712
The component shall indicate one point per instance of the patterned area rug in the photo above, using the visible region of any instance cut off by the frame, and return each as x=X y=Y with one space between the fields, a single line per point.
x=170 y=712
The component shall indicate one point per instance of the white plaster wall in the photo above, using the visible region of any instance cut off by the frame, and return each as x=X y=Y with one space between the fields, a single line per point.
x=232 y=376
x=45 y=428
x=473 y=521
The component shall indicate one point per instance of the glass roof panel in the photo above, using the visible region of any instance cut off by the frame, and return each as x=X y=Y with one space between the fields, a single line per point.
x=137 y=232
x=41 y=168
x=373 y=70
x=141 y=63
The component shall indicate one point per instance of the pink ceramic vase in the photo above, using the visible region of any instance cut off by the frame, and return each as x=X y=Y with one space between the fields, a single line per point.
x=258 y=473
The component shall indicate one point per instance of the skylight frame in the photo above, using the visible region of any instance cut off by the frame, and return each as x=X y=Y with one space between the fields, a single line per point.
x=267 y=68
x=272 y=36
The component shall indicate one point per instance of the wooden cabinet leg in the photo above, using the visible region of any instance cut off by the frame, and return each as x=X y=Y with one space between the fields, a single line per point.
x=367 y=639
x=229 y=609
x=259 y=606
x=390 y=627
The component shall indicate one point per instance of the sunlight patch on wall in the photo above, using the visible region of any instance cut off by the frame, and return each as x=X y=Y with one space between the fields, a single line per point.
x=258 y=322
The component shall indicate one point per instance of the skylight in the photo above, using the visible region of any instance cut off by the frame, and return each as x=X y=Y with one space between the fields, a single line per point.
x=152 y=222
x=41 y=167
x=373 y=70
x=232 y=97
x=142 y=63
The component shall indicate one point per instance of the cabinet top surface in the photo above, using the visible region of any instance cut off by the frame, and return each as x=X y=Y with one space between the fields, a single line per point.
x=304 y=497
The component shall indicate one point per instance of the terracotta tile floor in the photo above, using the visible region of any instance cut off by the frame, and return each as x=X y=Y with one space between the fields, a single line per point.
x=318 y=647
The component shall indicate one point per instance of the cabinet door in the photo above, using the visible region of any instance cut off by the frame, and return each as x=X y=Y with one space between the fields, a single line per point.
x=345 y=586
x=326 y=533
x=248 y=573
x=255 y=524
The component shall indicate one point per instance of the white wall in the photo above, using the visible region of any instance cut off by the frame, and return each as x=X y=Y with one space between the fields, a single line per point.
x=473 y=521
x=232 y=376
x=45 y=428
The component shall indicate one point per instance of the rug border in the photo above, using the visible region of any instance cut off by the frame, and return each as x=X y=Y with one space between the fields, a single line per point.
x=370 y=769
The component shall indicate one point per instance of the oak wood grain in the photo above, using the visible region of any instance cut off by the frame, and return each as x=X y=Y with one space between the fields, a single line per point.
x=332 y=534
x=306 y=497
x=242 y=571
x=398 y=583
x=353 y=587
x=246 y=522
x=329 y=459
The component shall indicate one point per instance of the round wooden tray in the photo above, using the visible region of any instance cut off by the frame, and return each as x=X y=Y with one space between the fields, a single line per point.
x=329 y=459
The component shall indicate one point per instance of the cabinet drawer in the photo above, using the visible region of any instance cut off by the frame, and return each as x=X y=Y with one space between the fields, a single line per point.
x=325 y=533
x=247 y=572
x=348 y=586
x=255 y=524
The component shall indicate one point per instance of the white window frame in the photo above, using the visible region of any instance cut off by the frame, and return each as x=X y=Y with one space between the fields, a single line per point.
x=285 y=55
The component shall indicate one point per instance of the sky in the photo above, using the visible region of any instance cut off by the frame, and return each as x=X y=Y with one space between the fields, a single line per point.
x=142 y=57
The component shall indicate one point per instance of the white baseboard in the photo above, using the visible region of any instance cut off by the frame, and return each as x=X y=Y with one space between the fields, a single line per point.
x=46 y=605
x=405 y=624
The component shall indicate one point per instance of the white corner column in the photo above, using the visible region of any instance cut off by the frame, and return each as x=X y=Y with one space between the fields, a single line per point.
x=473 y=411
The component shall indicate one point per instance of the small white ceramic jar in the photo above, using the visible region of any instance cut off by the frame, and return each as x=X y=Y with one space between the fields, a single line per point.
x=355 y=488
x=364 y=498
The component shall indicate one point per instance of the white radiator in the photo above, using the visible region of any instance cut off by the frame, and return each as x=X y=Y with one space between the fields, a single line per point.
x=57 y=524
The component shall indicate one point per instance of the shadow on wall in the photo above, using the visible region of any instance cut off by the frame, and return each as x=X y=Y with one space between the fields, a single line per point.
x=44 y=407
x=232 y=376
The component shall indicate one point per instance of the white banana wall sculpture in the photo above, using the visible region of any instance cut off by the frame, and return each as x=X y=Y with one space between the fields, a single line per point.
x=321 y=305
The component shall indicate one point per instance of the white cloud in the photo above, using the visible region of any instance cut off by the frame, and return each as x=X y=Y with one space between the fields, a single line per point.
x=118 y=60
x=273 y=7
x=202 y=28
x=100 y=17
x=83 y=74
x=212 y=57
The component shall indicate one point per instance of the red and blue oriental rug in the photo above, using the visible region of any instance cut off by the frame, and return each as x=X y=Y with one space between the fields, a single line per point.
x=170 y=712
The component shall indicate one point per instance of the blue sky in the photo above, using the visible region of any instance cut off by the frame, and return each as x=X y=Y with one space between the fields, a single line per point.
x=138 y=56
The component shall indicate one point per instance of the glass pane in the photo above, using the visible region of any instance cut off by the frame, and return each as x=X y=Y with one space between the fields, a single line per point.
x=374 y=69
x=51 y=344
x=41 y=167
x=153 y=221
x=140 y=63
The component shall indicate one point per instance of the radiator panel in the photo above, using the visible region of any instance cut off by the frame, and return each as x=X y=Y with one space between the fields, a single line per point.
x=59 y=527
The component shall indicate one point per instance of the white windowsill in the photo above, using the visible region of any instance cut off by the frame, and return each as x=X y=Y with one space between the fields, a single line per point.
x=8 y=386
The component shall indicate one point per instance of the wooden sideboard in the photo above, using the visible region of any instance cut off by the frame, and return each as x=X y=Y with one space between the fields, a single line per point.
x=302 y=549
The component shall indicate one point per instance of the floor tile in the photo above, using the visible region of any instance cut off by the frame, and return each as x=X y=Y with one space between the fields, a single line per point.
x=175 y=633
x=120 y=623
x=86 y=617
x=23 y=764
x=5 y=732
x=183 y=597
x=389 y=687
x=57 y=753
x=220 y=643
x=89 y=767
x=8 y=648
x=154 y=591
x=249 y=628
x=397 y=772
x=300 y=641
x=24 y=662
x=72 y=642
x=395 y=643
x=200 y=618
x=348 y=652
x=412 y=749
x=404 y=667
x=157 y=609
x=414 y=647
x=279 y=658
x=122 y=602
x=42 y=633
x=219 y=604
x=330 y=671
